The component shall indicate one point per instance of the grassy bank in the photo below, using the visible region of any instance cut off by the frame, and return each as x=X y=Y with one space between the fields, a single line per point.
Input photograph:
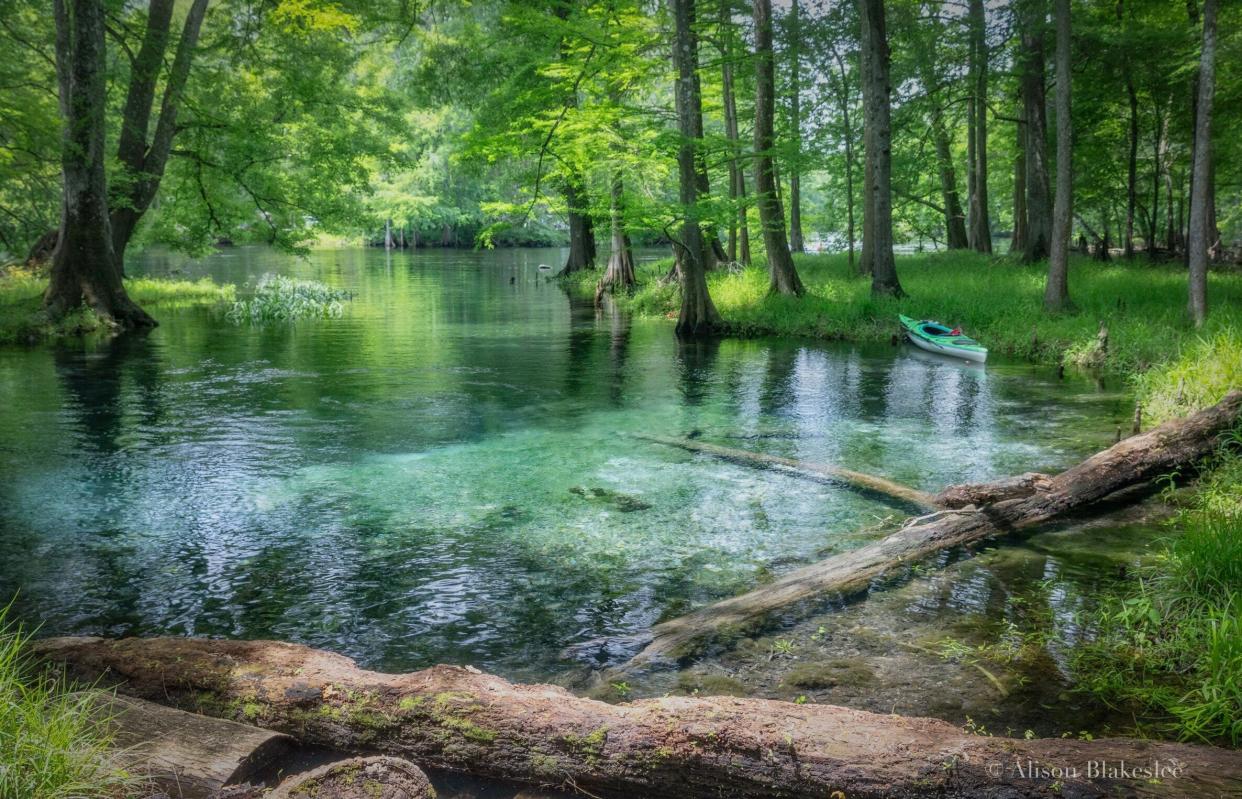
x=53 y=744
x=22 y=320
x=994 y=299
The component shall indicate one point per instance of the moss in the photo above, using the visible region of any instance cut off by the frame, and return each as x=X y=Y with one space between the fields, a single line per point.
x=829 y=674
x=468 y=729
x=710 y=684
x=590 y=746
x=251 y=710
x=409 y=703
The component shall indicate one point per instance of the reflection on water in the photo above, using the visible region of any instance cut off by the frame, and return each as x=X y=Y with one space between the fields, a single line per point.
x=447 y=473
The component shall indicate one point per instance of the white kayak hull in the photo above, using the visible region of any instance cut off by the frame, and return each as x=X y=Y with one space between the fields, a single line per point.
x=951 y=352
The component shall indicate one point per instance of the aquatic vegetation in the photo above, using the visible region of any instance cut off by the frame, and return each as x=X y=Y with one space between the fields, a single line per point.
x=278 y=298
x=53 y=743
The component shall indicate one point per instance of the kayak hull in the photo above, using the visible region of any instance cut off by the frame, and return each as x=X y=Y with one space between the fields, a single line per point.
x=950 y=351
x=936 y=338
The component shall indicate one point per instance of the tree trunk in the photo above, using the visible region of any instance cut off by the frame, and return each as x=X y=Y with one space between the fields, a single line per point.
x=1017 y=243
x=620 y=271
x=1201 y=181
x=144 y=162
x=781 y=270
x=460 y=719
x=739 y=229
x=1056 y=291
x=698 y=314
x=1038 y=180
x=979 y=53
x=387 y=234
x=84 y=266
x=1132 y=162
x=954 y=219
x=843 y=102
x=1175 y=445
x=581 y=233
x=795 y=112
x=878 y=137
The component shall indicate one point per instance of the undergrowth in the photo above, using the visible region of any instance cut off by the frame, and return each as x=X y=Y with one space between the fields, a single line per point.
x=53 y=743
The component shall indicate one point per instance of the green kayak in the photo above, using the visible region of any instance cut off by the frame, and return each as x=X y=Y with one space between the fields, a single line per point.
x=935 y=337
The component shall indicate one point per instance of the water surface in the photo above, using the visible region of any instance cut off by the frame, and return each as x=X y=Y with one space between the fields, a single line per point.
x=448 y=473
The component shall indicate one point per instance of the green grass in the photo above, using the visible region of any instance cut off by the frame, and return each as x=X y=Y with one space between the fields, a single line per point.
x=22 y=320
x=278 y=298
x=993 y=299
x=1171 y=646
x=53 y=743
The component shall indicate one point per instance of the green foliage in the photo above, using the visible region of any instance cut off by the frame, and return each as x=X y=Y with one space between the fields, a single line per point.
x=1172 y=645
x=53 y=744
x=280 y=299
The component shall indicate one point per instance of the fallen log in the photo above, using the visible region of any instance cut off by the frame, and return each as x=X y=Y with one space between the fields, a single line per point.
x=357 y=778
x=457 y=718
x=186 y=755
x=817 y=471
x=1023 y=503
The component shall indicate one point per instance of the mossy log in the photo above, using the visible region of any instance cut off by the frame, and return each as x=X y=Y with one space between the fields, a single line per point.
x=1007 y=506
x=458 y=718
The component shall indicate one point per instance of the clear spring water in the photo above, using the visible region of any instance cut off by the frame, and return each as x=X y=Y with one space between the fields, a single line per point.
x=447 y=473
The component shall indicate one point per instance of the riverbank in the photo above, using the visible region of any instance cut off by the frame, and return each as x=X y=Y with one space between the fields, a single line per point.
x=994 y=299
x=23 y=321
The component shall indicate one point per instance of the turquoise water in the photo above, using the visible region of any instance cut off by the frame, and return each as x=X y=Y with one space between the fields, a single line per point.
x=448 y=473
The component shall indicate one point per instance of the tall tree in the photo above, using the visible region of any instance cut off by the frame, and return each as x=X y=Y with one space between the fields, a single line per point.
x=1201 y=186
x=981 y=224
x=84 y=266
x=577 y=200
x=781 y=271
x=1017 y=243
x=739 y=228
x=843 y=106
x=1133 y=133
x=1056 y=291
x=877 y=136
x=795 y=128
x=142 y=158
x=619 y=273
x=698 y=314
x=1033 y=20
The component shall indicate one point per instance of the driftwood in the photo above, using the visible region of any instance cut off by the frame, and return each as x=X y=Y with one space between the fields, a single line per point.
x=458 y=718
x=816 y=471
x=1010 y=505
x=186 y=755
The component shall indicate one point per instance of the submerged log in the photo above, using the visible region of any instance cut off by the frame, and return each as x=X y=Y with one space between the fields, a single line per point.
x=186 y=755
x=684 y=747
x=358 y=778
x=1013 y=505
x=816 y=471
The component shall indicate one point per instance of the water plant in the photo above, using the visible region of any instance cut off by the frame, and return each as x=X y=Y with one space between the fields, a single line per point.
x=54 y=744
x=278 y=298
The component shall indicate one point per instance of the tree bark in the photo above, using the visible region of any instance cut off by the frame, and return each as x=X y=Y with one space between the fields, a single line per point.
x=698 y=314
x=1017 y=242
x=1056 y=291
x=1201 y=181
x=982 y=233
x=795 y=112
x=783 y=275
x=843 y=102
x=954 y=219
x=739 y=230
x=581 y=234
x=144 y=162
x=1132 y=161
x=878 y=138
x=1034 y=100
x=84 y=266
x=460 y=719
x=620 y=271
x=1173 y=446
